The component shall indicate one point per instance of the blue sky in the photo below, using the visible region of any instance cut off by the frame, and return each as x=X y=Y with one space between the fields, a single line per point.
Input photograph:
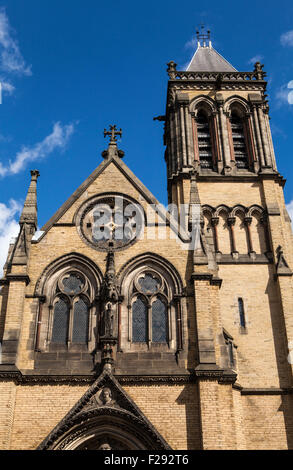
x=70 y=68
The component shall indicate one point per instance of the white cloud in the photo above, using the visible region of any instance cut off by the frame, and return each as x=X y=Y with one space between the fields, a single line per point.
x=11 y=58
x=256 y=58
x=9 y=228
x=11 y=61
x=290 y=211
x=192 y=44
x=7 y=87
x=285 y=94
x=287 y=38
x=56 y=140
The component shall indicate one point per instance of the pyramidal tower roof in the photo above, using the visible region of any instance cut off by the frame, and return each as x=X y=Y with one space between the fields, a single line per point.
x=206 y=58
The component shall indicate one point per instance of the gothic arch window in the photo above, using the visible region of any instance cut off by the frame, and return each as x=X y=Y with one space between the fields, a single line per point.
x=238 y=139
x=71 y=306
x=68 y=310
x=149 y=308
x=139 y=320
x=152 y=310
x=61 y=320
x=204 y=140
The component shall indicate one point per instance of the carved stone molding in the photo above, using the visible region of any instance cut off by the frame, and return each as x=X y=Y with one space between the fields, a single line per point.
x=104 y=406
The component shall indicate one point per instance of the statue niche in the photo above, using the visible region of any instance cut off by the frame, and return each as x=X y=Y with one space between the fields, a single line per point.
x=109 y=299
x=108 y=327
x=108 y=320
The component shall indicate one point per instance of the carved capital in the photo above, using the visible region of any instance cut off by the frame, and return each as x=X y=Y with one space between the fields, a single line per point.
x=231 y=221
x=247 y=220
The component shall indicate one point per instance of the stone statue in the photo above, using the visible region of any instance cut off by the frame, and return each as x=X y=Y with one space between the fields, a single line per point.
x=108 y=320
x=105 y=446
x=106 y=397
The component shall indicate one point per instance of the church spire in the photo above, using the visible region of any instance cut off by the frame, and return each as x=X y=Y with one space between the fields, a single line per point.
x=29 y=212
x=28 y=223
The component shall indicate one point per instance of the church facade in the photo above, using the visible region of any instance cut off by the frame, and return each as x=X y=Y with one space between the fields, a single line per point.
x=126 y=326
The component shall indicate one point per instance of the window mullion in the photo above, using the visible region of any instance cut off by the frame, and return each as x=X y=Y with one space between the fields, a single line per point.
x=70 y=325
x=169 y=332
x=149 y=323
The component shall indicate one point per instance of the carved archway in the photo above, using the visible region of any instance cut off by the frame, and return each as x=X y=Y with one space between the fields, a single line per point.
x=104 y=418
x=117 y=429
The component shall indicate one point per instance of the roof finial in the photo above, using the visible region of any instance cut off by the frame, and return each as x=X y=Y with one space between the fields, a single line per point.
x=113 y=133
x=203 y=37
x=112 y=149
x=29 y=211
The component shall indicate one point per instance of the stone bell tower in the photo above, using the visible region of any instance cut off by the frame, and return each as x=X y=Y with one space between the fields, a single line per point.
x=220 y=155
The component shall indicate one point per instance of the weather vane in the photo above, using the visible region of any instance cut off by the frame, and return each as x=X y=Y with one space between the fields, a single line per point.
x=202 y=36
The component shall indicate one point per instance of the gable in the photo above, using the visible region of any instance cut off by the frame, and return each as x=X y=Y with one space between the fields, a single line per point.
x=100 y=417
x=112 y=175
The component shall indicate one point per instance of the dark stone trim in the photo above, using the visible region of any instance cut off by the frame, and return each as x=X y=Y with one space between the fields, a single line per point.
x=15 y=277
x=237 y=386
x=201 y=277
x=152 y=379
x=42 y=298
x=243 y=259
x=211 y=84
x=244 y=175
x=216 y=281
x=64 y=224
x=9 y=371
x=213 y=280
x=289 y=274
x=213 y=372
x=266 y=391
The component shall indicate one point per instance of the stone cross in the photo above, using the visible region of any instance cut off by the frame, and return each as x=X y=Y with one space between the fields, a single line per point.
x=113 y=133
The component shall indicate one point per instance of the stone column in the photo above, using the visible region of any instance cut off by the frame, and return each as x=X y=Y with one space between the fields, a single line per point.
x=178 y=139
x=173 y=143
x=252 y=141
x=258 y=136
x=271 y=145
x=183 y=101
x=189 y=141
x=216 y=143
x=215 y=221
x=247 y=222
x=224 y=135
x=264 y=137
x=231 y=222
